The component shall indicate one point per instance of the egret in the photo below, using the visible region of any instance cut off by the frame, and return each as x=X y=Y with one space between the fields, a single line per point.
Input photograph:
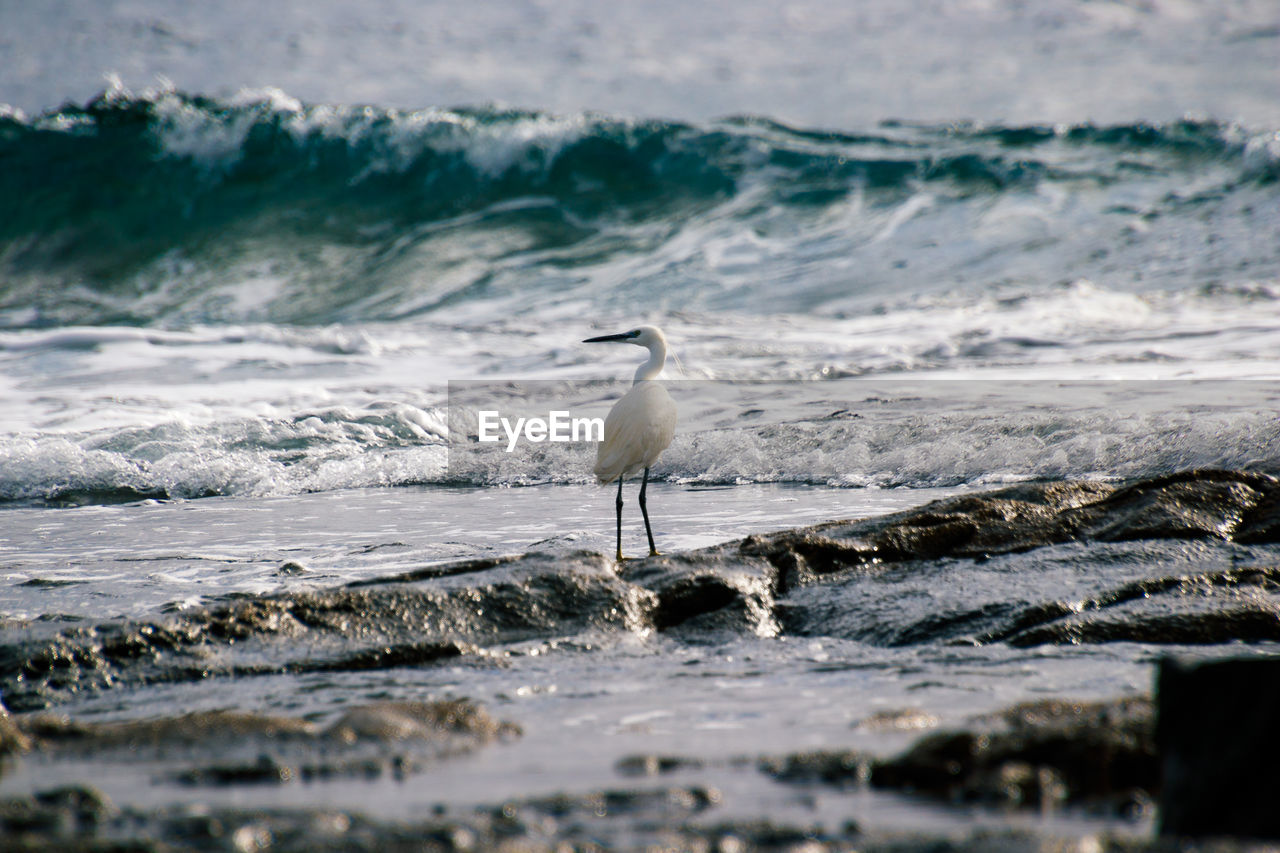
x=639 y=426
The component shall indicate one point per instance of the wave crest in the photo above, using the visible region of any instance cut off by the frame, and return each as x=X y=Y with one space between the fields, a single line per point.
x=174 y=208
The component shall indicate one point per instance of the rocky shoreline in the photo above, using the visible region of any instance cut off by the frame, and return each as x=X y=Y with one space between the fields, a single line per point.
x=781 y=583
x=1050 y=754
x=1099 y=757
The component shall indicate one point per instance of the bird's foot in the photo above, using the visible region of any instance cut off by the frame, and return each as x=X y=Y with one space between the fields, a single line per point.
x=654 y=552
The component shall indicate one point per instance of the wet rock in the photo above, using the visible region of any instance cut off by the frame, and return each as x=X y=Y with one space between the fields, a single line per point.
x=655 y=765
x=225 y=748
x=58 y=735
x=1220 y=746
x=1206 y=607
x=714 y=591
x=842 y=768
x=1201 y=504
x=369 y=626
x=1246 y=623
x=884 y=587
x=666 y=819
x=1163 y=509
x=265 y=771
x=825 y=580
x=388 y=657
x=59 y=813
x=1261 y=524
x=395 y=721
x=12 y=739
x=1099 y=754
x=659 y=802
x=802 y=556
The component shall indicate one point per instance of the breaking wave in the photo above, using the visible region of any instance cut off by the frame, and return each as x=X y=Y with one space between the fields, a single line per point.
x=171 y=209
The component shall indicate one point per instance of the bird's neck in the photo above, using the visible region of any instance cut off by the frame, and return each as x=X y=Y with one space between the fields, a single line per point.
x=652 y=368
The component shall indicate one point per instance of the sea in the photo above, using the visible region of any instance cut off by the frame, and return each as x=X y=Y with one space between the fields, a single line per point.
x=900 y=251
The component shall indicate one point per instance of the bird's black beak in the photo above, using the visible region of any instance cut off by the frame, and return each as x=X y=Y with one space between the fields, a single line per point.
x=623 y=336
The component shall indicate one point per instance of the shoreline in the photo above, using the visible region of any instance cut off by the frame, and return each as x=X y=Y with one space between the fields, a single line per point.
x=479 y=624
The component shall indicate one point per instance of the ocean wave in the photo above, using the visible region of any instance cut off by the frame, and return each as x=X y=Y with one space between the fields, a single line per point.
x=316 y=451
x=848 y=433
x=177 y=209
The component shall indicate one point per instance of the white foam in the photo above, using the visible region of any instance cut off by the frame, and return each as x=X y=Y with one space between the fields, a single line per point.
x=265 y=409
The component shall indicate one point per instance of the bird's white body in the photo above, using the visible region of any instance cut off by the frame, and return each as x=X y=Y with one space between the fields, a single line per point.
x=636 y=431
x=639 y=426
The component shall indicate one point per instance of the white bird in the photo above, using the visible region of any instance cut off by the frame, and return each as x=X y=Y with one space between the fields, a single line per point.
x=639 y=426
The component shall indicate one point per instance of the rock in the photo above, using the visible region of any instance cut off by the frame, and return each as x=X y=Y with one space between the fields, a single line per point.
x=12 y=739
x=810 y=581
x=672 y=818
x=1261 y=524
x=1098 y=755
x=1220 y=745
x=1202 y=504
x=712 y=590
x=394 y=721
x=655 y=765
x=372 y=625
x=222 y=748
x=1215 y=607
x=842 y=768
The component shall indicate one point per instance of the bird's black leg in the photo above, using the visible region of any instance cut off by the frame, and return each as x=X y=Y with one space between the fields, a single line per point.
x=619 y=519
x=644 y=510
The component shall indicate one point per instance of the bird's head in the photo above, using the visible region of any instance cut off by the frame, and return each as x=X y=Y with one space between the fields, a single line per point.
x=643 y=336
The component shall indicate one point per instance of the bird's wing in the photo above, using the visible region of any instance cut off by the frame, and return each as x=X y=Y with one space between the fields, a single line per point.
x=638 y=428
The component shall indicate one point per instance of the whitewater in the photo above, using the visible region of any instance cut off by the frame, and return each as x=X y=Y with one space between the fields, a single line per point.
x=275 y=300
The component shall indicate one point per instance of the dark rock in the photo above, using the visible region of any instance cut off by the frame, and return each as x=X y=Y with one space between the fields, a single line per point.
x=1262 y=523
x=711 y=590
x=60 y=813
x=655 y=765
x=842 y=768
x=265 y=771
x=1220 y=744
x=388 y=657
x=802 y=556
x=663 y=819
x=236 y=748
x=396 y=721
x=762 y=585
x=1207 y=505
x=12 y=739
x=943 y=763
x=1247 y=623
x=653 y=803
x=1229 y=608
x=51 y=734
x=1100 y=754
x=373 y=626
x=1188 y=505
